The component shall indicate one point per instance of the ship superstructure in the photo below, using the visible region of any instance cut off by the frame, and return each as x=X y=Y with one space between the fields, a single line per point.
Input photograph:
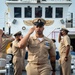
x=21 y=13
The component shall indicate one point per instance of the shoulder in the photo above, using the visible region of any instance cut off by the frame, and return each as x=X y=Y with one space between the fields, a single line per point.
x=48 y=39
x=14 y=41
x=66 y=37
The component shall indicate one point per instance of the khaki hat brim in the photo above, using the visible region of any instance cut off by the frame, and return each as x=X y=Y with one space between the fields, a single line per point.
x=18 y=33
x=64 y=29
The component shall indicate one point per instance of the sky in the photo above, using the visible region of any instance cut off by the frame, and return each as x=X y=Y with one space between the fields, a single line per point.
x=72 y=8
x=3 y=9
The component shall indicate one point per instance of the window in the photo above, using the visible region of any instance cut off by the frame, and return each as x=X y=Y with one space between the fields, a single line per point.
x=43 y=0
x=17 y=12
x=59 y=12
x=28 y=12
x=48 y=12
x=38 y=12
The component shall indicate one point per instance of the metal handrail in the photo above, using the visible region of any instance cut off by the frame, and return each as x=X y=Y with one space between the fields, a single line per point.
x=37 y=0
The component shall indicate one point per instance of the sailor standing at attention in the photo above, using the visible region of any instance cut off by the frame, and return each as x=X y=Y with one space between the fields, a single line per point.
x=64 y=51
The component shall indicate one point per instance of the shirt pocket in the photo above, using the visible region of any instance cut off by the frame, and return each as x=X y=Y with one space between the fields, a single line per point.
x=33 y=48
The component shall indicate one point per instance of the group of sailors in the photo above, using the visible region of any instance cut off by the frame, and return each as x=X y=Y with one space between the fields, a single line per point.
x=39 y=47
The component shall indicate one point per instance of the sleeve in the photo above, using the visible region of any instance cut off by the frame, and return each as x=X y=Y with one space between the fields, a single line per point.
x=10 y=39
x=15 y=44
x=0 y=41
x=52 y=50
x=66 y=40
x=29 y=41
x=54 y=45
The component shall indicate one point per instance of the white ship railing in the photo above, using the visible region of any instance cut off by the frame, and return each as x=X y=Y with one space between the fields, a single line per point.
x=21 y=1
x=38 y=0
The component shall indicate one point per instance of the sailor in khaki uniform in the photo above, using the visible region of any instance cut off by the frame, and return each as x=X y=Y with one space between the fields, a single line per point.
x=39 y=47
x=1 y=33
x=5 y=41
x=17 y=57
x=23 y=51
x=64 y=51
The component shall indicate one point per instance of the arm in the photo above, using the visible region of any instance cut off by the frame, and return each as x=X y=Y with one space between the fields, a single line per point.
x=67 y=44
x=24 y=41
x=53 y=64
x=1 y=33
x=67 y=50
x=59 y=38
x=10 y=39
x=52 y=57
x=0 y=41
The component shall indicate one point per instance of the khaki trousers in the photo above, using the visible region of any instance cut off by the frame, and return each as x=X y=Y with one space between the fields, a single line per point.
x=66 y=66
x=33 y=69
x=17 y=65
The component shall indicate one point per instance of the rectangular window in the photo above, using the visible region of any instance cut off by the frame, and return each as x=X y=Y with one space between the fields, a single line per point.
x=48 y=12
x=17 y=12
x=43 y=0
x=28 y=12
x=38 y=12
x=59 y=12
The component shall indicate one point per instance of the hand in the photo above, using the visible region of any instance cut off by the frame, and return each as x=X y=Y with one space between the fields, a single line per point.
x=53 y=73
x=31 y=30
x=1 y=32
x=66 y=59
x=60 y=33
x=21 y=37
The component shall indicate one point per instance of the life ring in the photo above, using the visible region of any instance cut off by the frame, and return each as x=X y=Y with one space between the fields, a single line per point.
x=23 y=28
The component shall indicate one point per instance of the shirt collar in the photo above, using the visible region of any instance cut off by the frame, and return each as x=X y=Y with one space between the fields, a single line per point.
x=44 y=38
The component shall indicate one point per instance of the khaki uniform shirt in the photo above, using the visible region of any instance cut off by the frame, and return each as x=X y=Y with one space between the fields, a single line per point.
x=15 y=49
x=63 y=44
x=38 y=51
x=5 y=42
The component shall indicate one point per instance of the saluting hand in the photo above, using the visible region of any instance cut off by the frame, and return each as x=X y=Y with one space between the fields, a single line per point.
x=60 y=34
x=31 y=30
x=21 y=37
